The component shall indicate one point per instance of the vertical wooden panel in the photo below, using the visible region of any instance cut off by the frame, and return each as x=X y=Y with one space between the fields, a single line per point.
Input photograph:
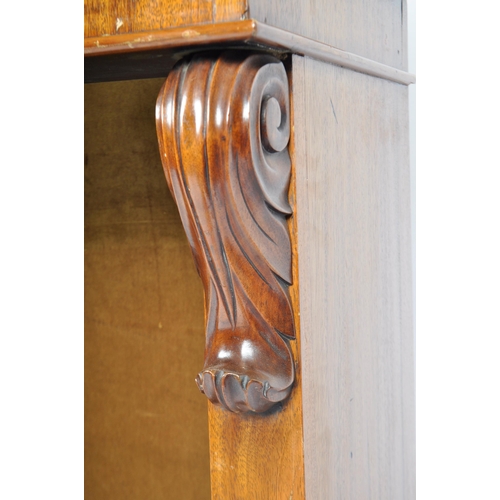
x=146 y=429
x=353 y=209
x=375 y=29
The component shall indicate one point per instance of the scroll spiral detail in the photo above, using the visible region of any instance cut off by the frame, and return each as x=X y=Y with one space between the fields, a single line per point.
x=223 y=128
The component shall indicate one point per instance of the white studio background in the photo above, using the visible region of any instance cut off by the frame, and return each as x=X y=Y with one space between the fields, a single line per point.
x=412 y=38
x=457 y=252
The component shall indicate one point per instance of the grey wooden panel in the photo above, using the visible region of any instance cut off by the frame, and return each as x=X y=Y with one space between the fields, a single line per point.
x=375 y=29
x=353 y=209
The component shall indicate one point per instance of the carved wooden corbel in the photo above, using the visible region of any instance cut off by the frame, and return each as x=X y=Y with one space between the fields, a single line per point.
x=223 y=129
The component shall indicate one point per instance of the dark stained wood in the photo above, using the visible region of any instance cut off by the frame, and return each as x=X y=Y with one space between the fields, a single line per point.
x=339 y=420
x=111 y=17
x=130 y=66
x=223 y=128
x=262 y=458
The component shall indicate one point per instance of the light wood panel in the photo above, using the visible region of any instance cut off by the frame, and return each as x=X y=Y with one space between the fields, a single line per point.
x=146 y=428
x=111 y=17
x=353 y=216
x=375 y=29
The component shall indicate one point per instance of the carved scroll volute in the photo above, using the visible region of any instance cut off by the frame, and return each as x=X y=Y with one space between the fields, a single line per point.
x=223 y=128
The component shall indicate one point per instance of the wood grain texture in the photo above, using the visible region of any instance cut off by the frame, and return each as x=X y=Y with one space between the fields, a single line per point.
x=111 y=17
x=373 y=29
x=223 y=128
x=146 y=426
x=353 y=218
x=173 y=37
x=253 y=458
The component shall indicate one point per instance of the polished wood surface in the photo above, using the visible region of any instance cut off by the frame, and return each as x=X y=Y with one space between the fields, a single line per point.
x=112 y=17
x=261 y=457
x=346 y=429
x=146 y=425
x=176 y=37
x=153 y=54
x=353 y=229
x=223 y=128
x=252 y=456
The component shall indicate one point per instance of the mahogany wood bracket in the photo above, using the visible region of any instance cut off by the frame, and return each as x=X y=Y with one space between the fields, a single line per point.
x=223 y=129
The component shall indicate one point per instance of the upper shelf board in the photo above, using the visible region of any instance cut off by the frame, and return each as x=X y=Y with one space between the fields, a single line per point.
x=153 y=53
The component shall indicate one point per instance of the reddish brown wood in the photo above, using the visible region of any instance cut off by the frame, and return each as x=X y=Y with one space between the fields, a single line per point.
x=111 y=17
x=170 y=38
x=223 y=128
x=263 y=458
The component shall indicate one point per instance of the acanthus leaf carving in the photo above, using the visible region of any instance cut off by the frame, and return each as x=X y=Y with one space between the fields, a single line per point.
x=223 y=129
